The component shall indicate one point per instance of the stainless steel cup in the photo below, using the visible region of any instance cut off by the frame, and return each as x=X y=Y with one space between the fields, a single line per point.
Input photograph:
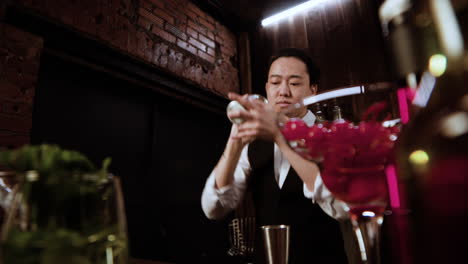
x=276 y=240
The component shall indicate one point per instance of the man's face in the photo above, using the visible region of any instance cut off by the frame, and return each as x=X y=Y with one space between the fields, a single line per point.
x=288 y=83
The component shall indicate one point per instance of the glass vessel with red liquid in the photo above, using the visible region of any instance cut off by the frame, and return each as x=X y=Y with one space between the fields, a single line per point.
x=354 y=160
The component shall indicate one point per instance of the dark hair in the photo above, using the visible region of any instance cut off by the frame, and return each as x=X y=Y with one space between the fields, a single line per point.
x=302 y=55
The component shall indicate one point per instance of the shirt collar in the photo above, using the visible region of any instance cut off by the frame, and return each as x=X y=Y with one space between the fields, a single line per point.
x=309 y=118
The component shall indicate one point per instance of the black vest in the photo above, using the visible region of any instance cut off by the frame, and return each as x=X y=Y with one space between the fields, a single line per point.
x=315 y=237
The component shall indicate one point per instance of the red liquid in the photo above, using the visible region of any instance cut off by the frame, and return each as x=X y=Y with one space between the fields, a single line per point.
x=356 y=185
x=354 y=157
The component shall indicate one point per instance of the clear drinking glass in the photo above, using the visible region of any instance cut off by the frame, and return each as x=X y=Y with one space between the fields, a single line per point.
x=8 y=182
x=354 y=159
x=73 y=222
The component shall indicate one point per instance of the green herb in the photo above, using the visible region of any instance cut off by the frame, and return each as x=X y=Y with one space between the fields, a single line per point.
x=68 y=212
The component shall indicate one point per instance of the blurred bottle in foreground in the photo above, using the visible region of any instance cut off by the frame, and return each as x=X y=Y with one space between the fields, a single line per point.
x=432 y=157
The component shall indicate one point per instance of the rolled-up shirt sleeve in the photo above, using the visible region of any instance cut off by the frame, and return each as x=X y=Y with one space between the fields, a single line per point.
x=217 y=202
x=326 y=200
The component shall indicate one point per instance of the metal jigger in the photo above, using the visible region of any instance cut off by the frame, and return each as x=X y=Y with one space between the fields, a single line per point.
x=276 y=240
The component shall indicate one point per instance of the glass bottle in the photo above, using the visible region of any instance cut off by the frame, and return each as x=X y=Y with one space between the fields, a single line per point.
x=337 y=112
x=404 y=35
x=432 y=153
x=8 y=183
x=320 y=117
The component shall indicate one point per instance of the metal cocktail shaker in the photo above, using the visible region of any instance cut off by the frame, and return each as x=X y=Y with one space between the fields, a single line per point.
x=276 y=240
x=236 y=106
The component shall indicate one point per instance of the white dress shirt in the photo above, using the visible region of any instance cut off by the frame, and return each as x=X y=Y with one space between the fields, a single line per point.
x=216 y=203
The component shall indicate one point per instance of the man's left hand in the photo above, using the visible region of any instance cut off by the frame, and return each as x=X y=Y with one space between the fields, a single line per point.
x=260 y=120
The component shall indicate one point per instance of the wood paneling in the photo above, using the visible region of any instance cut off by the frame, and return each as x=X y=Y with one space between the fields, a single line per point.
x=342 y=36
x=344 y=39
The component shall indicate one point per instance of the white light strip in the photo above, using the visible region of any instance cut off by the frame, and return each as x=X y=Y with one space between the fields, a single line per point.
x=448 y=28
x=425 y=90
x=291 y=11
x=332 y=94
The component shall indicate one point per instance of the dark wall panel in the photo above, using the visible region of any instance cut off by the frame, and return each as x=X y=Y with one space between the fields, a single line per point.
x=344 y=39
x=162 y=148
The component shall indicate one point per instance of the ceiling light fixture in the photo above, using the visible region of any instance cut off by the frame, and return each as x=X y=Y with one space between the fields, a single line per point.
x=291 y=11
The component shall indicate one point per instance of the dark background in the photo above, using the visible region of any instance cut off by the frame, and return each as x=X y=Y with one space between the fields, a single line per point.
x=162 y=148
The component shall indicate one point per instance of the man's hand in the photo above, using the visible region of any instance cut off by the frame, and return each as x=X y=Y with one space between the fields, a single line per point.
x=239 y=139
x=260 y=120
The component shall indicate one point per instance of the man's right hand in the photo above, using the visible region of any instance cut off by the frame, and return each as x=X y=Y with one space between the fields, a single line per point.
x=239 y=140
x=224 y=170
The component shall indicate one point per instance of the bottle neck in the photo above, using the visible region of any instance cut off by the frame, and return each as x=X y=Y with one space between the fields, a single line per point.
x=317 y=109
x=337 y=113
x=426 y=39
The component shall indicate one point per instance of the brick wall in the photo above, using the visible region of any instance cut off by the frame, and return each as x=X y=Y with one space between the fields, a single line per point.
x=174 y=35
x=19 y=66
